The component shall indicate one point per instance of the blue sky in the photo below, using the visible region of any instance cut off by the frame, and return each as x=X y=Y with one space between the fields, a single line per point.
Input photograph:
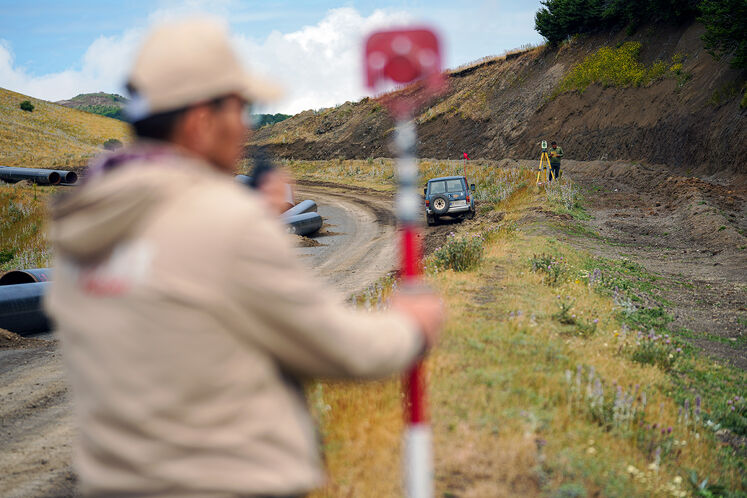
x=54 y=50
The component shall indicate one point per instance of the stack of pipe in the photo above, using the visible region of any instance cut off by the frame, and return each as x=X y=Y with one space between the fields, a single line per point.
x=39 y=176
x=302 y=219
x=21 y=294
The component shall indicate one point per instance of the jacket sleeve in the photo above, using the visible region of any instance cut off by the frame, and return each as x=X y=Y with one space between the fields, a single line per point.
x=560 y=152
x=289 y=314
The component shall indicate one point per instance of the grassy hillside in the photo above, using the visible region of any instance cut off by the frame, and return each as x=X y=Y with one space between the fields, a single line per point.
x=51 y=135
x=656 y=95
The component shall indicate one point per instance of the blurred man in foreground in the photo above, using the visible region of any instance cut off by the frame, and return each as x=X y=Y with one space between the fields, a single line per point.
x=184 y=317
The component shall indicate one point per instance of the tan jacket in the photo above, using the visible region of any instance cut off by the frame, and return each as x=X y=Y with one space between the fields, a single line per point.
x=184 y=319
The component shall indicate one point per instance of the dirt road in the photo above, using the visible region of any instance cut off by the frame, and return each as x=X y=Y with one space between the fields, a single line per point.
x=357 y=248
x=357 y=242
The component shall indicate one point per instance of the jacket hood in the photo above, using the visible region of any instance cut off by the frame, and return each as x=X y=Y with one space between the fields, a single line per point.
x=118 y=195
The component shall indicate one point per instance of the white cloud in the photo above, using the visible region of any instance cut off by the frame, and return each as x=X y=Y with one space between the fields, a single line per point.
x=318 y=65
x=103 y=68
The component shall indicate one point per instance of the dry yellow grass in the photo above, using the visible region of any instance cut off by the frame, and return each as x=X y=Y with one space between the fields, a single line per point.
x=52 y=135
x=23 y=219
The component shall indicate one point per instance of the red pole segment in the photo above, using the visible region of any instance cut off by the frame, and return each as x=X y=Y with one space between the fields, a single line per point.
x=405 y=56
x=418 y=462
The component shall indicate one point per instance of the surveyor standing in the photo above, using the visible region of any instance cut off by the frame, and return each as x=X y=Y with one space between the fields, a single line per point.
x=185 y=320
x=555 y=154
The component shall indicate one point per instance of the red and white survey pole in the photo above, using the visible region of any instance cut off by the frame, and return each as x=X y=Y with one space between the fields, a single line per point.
x=403 y=57
x=466 y=158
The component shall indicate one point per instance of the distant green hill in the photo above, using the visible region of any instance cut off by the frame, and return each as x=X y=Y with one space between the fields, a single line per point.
x=110 y=105
x=268 y=119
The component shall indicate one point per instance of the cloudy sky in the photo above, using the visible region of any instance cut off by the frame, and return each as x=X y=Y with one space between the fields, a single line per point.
x=55 y=50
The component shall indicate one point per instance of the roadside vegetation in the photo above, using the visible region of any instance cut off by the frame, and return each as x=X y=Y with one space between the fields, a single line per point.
x=557 y=375
x=620 y=67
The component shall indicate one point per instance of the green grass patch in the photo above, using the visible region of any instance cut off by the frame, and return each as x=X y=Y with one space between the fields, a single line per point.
x=23 y=242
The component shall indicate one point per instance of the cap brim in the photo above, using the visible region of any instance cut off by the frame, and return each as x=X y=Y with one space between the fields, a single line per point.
x=260 y=90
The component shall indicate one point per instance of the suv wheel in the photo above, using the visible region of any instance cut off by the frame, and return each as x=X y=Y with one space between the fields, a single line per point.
x=470 y=214
x=440 y=204
x=430 y=220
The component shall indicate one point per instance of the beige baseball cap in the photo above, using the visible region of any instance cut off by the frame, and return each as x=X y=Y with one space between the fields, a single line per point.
x=186 y=63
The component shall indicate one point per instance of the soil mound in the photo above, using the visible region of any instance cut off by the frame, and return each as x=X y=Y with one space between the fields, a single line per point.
x=10 y=340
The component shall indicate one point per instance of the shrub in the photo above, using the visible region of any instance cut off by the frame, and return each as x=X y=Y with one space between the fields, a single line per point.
x=459 y=254
x=580 y=327
x=553 y=268
x=6 y=255
x=620 y=67
x=27 y=106
x=658 y=350
x=564 y=193
x=112 y=144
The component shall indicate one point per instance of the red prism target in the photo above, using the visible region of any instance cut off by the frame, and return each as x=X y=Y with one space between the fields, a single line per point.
x=402 y=57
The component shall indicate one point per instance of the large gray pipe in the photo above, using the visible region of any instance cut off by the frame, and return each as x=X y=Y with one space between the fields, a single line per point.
x=38 y=176
x=304 y=223
x=21 y=308
x=67 y=177
x=246 y=180
x=28 y=276
x=306 y=206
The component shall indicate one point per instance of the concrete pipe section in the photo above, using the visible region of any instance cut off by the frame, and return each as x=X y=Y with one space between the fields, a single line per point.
x=302 y=218
x=246 y=180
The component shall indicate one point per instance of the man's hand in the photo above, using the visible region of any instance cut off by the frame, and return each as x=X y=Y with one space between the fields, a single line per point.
x=274 y=190
x=423 y=306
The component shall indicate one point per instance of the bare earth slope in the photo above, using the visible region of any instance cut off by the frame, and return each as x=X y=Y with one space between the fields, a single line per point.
x=503 y=108
x=690 y=232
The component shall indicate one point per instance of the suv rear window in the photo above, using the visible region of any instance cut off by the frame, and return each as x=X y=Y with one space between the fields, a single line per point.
x=443 y=186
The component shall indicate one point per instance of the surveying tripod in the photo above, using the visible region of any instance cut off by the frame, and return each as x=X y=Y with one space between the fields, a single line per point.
x=547 y=170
